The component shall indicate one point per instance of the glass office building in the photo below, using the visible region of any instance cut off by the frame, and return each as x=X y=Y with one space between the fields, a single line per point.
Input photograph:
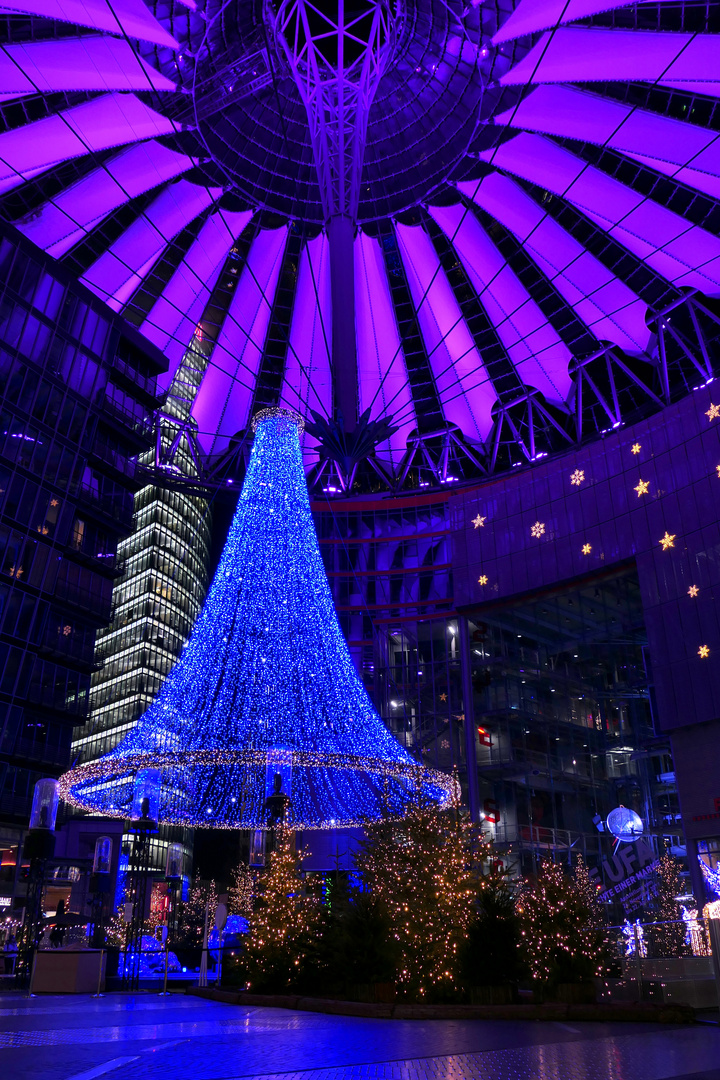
x=77 y=392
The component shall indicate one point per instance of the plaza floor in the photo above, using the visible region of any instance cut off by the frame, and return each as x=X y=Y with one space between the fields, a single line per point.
x=136 y=1037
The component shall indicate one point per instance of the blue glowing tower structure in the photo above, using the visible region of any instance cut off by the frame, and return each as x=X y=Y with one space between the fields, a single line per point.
x=265 y=687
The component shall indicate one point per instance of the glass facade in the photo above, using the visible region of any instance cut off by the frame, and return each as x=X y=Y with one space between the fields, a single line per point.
x=560 y=729
x=76 y=397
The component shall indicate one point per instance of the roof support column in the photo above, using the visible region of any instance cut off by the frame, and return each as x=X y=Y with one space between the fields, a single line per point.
x=341 y=230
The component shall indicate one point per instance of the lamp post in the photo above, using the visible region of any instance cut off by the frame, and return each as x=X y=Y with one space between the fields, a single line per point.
x=143 y=824
x=173 y=877
x=39 y=847
x=100 y=887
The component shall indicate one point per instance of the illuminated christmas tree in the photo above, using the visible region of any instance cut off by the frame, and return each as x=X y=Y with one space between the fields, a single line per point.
x=266 y=687
x=284 y=918
x=425 y=870
x=561 y=926
x=669 y=939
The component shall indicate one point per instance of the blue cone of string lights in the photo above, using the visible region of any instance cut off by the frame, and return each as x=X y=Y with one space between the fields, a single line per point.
x=265 y=687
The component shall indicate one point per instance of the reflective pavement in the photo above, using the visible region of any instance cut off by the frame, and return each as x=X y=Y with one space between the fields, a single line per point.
x=136 y=1037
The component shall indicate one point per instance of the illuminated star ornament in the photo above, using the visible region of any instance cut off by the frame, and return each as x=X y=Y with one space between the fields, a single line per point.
x=635 y=448
x=586 y=549
x=482 y=580
x=693 y=590
x=717 y=470
x=703 y=652
x=443 y=697
x=642 y=488
x=265 y=690
x=577 y=477
x=713 y=412
x=667 y=541
x=479 y=521
x=537 y=530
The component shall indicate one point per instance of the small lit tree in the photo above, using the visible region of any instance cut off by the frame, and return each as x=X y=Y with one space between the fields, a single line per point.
x=240 y=894
x=669 y=938
x=284 y=917
x=561 y=926
x=202 y=896
x=424 y=870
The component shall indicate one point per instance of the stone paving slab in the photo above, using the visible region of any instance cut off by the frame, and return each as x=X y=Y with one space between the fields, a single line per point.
x=138 y=1037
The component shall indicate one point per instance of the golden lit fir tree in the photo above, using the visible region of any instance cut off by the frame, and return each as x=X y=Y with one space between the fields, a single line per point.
x=425 y=871
x=669 y=938
x=561 y=926
x=283 y=921
x=201 y=897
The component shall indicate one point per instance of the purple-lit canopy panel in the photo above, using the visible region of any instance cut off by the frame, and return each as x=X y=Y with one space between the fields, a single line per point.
x=535 y=257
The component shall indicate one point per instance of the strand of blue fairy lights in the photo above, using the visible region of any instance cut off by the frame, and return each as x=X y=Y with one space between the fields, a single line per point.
x=265 y=682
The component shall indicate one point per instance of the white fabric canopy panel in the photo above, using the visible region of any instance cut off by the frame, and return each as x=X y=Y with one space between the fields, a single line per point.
x=687 y=152
x=173 y=318
x=90 y=63
x=539 y=356
x=124 y=17
x=611 y=310
x=110 y=120
x=223 y=406
x=684 y=254
x=465 y=391
x=382 y=378
x=532 y=15
x=586 y=55
x=307 y=382
x=64 y=221
x=121 y=269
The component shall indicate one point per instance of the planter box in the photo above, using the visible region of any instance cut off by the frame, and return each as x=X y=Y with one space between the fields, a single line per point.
x=492 y=995
x=76 y=972
x=575 y=993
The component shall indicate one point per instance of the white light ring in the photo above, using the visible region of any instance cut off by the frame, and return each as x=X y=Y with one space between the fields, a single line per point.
x=109 y=768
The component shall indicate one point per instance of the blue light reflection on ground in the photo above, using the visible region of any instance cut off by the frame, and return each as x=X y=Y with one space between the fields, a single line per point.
x=133 y=1037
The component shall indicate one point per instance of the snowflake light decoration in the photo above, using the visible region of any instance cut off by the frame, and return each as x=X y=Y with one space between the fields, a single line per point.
x=482 y=580
x=713 y=412
x=642 y=488
x=577 y=477
x=537 y=530
x=693 y=590
x=667 y=541
x=635 y=448
x=586 y=549
x=704 y=652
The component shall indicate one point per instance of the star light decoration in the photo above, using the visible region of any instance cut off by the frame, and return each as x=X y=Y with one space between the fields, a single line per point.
x=586 y=549
x=265 y=686
x=479 y=521
x=577 y=477
x=704 y=652
x=483 y=580
x=667 y=541
x=635 y=448
x=537 y=530
x=642 y=488
x=713 y=412
x=693 y=590
x=717 y=470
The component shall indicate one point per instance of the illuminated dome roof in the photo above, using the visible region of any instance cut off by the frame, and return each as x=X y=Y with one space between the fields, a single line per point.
x=535 y=250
